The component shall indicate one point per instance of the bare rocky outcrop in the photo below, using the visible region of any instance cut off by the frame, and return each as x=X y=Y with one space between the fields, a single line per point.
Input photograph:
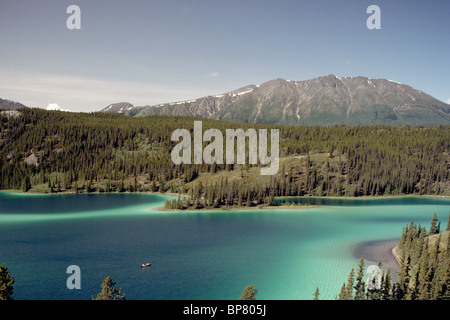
x=325 y=100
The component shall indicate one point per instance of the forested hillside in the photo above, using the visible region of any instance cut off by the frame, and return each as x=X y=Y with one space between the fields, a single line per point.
x=52 y=151
x=424 y=258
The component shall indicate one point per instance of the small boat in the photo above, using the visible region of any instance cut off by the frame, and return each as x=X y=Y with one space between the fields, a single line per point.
x=148 y=264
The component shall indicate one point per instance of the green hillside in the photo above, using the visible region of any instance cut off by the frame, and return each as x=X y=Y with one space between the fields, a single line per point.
x=52 y=151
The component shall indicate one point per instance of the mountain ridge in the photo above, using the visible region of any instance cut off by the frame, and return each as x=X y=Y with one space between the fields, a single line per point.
x=326 y=100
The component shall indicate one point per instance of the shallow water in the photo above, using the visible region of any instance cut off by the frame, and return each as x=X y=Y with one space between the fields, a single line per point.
x=286 y=254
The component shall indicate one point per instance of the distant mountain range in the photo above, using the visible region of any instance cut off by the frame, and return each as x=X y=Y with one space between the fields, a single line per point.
x=326 y=100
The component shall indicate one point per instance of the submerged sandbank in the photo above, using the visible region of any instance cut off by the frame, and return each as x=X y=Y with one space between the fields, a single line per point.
x=373 y=251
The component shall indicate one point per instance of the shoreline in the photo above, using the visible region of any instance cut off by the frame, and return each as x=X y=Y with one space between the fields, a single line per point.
x=370 y=197
x=235 y=208
x=395 y=252
x=376 y=250
x=243 y=208
x=278 y=197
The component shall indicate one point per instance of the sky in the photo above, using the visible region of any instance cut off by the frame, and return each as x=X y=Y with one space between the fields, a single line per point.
x=152 y=52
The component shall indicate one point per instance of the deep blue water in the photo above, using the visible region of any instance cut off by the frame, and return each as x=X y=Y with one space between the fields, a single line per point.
x=286 y=254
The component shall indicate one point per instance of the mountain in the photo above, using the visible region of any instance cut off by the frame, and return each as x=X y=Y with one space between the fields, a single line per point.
x=10 y=105
x=325 y=100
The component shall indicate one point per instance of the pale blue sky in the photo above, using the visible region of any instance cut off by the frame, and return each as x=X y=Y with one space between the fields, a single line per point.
x=149 y=52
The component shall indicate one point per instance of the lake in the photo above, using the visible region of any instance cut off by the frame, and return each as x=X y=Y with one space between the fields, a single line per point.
x=285 y=253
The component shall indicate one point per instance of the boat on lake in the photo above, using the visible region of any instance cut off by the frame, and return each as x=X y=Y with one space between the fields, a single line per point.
x=148 y=264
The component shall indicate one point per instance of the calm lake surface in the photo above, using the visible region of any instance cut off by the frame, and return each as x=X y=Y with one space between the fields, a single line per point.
x=286 y=254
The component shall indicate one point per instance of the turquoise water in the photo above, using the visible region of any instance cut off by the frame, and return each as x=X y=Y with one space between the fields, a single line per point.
x=286 y=254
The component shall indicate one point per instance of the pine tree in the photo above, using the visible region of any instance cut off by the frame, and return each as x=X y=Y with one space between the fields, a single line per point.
x=413 y=291
x=386 y=285
x=349 y=287
x=109 y=292
x=342 y=294
x=26 y=185
x=360 y=286
x=397 y=292
x=316 y=294
x=6 y=284
x=404 y=276
x=434 y=268
x=347 y=290
x=443 y=285
x=424 y=273
x=448 y=223
x=434 y=229
x=442 y=275
x=249 y=293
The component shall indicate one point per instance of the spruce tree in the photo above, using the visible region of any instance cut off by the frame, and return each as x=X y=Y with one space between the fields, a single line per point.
x=423 y=273
x=442 y=274
x=404 y=276
x=249 y=293
x=386 y=285
x=342 y=294
x=360 y=286
x=434 y=268
x=397 y=292
x=316 y=294
x=348 y=291
x=414 y=289
x=109 y=292
x=443 y=285
x=6 y=284
x=26 y=185
x=434 y=227
x=448 y=222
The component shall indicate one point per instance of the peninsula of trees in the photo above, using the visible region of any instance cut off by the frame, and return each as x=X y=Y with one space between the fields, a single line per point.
x=424 y=274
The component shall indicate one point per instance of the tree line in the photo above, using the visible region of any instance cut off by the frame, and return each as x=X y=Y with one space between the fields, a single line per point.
x=51 y=151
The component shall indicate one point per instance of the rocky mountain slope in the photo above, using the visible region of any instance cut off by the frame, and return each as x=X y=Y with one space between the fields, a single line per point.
x=326 y=100
x=10 y=105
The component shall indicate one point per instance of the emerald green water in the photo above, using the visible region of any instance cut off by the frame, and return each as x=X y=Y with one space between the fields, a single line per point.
x=286 y=254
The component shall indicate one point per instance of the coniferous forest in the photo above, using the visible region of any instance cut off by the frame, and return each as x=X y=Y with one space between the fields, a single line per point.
x=424 y=258
x=53 y=151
